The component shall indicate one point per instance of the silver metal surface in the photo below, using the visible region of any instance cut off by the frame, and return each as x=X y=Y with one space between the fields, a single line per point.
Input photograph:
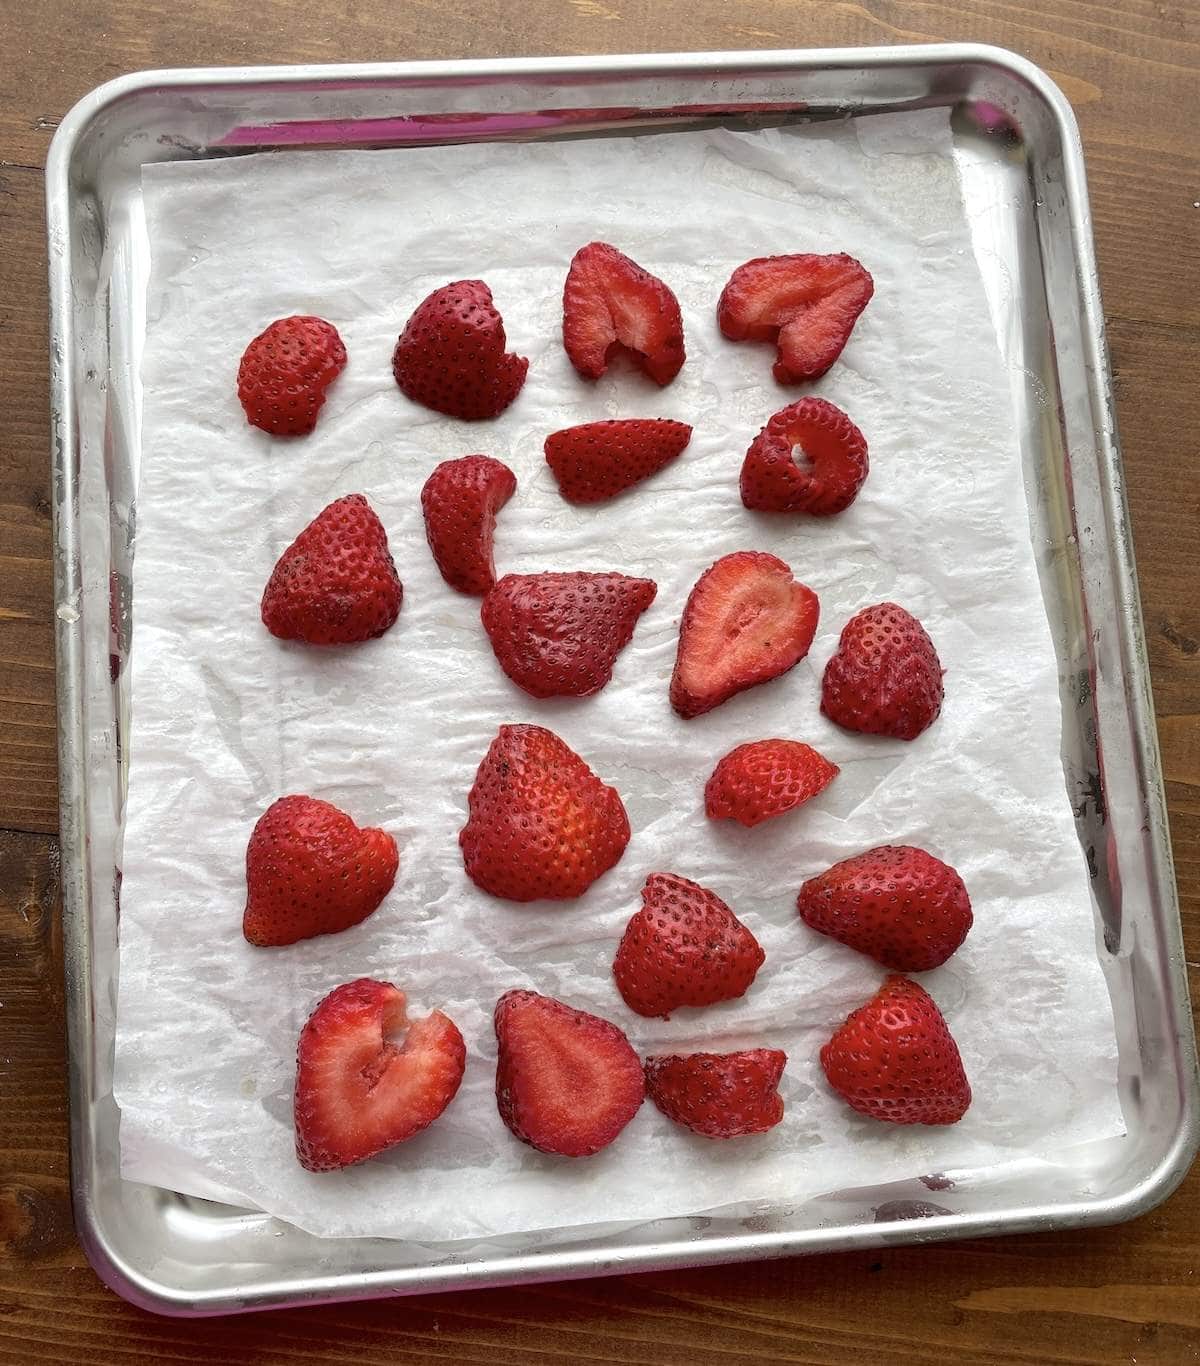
x=1022 y=170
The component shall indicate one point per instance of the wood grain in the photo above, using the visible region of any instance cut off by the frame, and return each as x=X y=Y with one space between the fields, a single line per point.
x=1118 y=1295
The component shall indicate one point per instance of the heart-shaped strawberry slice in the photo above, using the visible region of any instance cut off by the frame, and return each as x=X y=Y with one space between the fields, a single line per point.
x=885 y=677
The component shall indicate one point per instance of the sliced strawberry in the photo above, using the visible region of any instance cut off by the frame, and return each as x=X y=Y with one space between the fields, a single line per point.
x=895 y=1059
x=765 y=778
x=540 y=823
x=719 y=1095
x=823 y=478
x=285 y=372
x=566 y=1082
x=559 y=635
x=610 y=302
x=746 y=622
x=310 y=870
x=808 y=304
x=336 y=583
x=357 y=1092
x=885 y=677
x=451 y=355
x=685 y=947
x=900 y=905
x=460 y=501
x=598 y=460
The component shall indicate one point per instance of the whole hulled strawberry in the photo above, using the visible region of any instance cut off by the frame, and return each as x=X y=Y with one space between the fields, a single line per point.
x=597 y=460
x=834 y=455
x=765 y=778
x=285 y=371
x=719 y=1095
x=885 y=677
x=460 y=500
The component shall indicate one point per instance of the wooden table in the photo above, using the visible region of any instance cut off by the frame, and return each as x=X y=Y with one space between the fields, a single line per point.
x=1130 y=1294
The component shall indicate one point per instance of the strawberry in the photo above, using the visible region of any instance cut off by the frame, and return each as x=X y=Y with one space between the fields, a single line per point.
x=598 y=460
x=899 y=905
x=451 y=355
x=610 y=302
x=895 y=1059
x=765 y=778
x=885 y=677
x=747 y=621
x=719 y=1095
x=834 y=464
x=285 y=372
x=336 y=583
x=685 y=947
x=357 y=1092
x=539 y=823
x=310 y=870
x=460 y=501
x=807 y=304
x=559 y=635
x=566 y=1082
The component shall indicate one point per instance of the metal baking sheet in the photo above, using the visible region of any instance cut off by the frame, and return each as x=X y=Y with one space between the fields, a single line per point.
x=1022 y=171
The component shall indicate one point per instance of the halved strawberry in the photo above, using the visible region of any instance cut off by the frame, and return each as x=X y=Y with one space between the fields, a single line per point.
x=336 y=583
x=540 y=823
x=598 y=460
x=310 y=870
x=610 y=302
x=685 y=947
x=451 y=355
x=559 y=635
x=285 y=371
x=885 y=677
x=719 y=1095
x=808 y=303
x=566 y=1082
x=359 y=1092
x=746 y=622
x=822 y=479
x=765 y=778
x=460 y=501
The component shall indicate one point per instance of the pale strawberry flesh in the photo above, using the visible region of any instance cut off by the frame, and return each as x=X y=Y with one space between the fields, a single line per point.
x=597 y=460
x=765 y=778
x=719 y=1095
x=833 y=453
x=459 y=501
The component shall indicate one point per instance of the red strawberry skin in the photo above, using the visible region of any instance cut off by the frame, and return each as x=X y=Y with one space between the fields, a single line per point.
x=719 y=1095
x=356 y=1092
x=310 y=870
x=611 y=303
x=451 y=356
x=597 y=460
x=336 y=583
x=540 y=823
x=836 y=453
x=566 y=1082
x=460 y=501
x=899 y=905
x=559 y=635
x=746 y=622
x=765 y=778
x=807 y=304
x=895 y=1059
x=885 y=677
x=285 y=372
x=685 y=947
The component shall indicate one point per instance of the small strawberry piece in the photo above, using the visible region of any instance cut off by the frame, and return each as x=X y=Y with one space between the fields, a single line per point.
x=285 y=372
x=685 y=947
x=610 y=302
x=834 y=456
x=807 y=304
x=885 y=677
x=460 y=501
x=765 y=778
x=598 y=460
x=566 y=1082
x=895 y=1059
x=746 y=622
x=451 y=355
x=559 y=635
x=336 y=583
x=358 y=1092
x=899 y=905
x=540 y=824
x=310 y=870
x=719 y=1095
